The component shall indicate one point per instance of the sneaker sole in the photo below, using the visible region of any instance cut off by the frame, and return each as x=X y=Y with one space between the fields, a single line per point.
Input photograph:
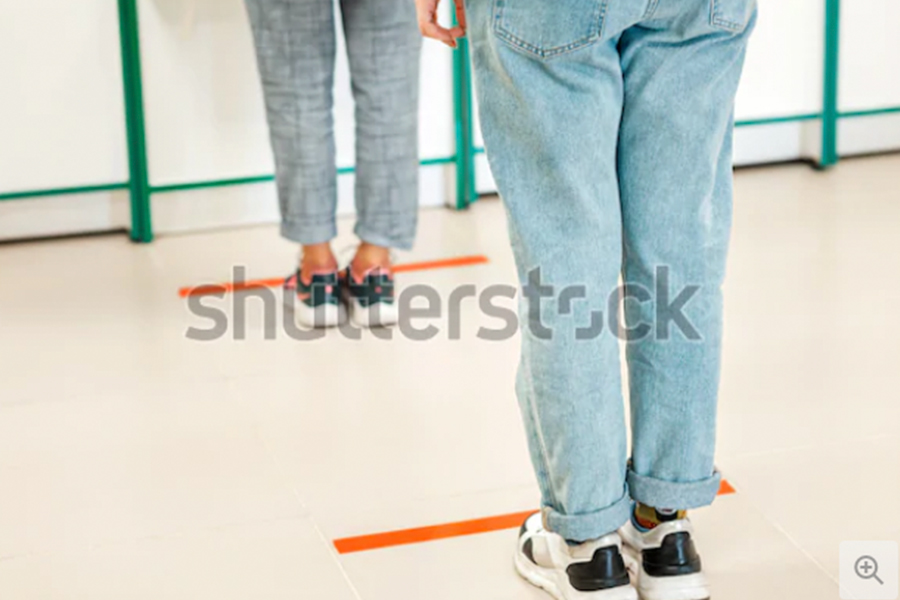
x=319 y=317
x=380 y=315
x=545 y=579
x=678 y=587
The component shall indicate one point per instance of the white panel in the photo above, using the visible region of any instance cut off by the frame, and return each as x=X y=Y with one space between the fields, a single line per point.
x=62 y=120
x=476 y=117
x=783 y=74
x=864 y=135
x=437 y=125
x=64 y=215
x=778 y=142
x=870 y=54
x=205 y=113
x=211 y=208
x=203 y=105
x=484 y=179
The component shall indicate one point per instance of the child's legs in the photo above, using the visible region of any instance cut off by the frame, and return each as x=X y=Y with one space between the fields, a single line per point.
x=295 y=48
x=383 y=45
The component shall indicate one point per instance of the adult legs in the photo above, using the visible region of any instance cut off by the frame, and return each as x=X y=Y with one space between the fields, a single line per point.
x=550 y=126
x=675 y=174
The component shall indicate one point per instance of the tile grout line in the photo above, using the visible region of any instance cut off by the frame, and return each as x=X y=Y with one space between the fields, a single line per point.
x=777 y=525
x=335 y=557
x=802 y=550
x=279 y=466
x=329 y=548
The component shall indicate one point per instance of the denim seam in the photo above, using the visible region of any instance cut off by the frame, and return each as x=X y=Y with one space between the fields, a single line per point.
x=601 y=20
x=518 y=42
x=727 y=24
x=651 y=9
x=545 y=455
x=715 y=19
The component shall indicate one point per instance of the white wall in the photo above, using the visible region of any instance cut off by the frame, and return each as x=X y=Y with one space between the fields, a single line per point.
x=870 y=75
x=870 y=54
x=62 y=121
x=204 y=106
x=783 y=72
x=62 y=105
x=206 y=120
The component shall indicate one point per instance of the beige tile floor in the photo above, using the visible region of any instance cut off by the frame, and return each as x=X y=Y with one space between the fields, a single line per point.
x=135 y=463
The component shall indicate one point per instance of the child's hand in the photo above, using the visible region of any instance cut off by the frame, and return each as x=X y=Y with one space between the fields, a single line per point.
x=428 y=23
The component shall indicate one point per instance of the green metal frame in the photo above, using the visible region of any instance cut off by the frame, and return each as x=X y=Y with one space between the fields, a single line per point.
x=829 y=156
x=70 y=191
x=465 y=136
x=869 y=113
x=141 y=191
x=139 y=179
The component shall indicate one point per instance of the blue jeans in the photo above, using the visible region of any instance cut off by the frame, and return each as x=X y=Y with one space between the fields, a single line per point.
x=295 y=48
x=608 y=127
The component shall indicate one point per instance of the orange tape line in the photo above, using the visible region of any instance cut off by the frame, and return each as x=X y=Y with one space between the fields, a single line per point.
x=418 y=535
x=725 y=488
x=427 y=534
x=219 y=288
x=444 y=263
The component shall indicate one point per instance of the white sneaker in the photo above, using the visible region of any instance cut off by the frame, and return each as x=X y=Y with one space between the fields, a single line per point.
x=664 y=562
x=317 y=303
x=593 y=570
x=370 y=298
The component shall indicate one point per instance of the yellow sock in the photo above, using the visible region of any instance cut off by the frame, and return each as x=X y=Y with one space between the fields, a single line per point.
x=647 y=517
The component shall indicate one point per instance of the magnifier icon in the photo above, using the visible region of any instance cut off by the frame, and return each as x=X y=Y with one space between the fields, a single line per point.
x=866 y=567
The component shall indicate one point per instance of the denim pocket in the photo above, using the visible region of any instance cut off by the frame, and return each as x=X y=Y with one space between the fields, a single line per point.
x=547 y=28
x=731 y=15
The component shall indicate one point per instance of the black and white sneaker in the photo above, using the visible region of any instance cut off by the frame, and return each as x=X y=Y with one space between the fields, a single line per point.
x=593 y=570
x=316 y=302
x=370 y=297
x=664 y=562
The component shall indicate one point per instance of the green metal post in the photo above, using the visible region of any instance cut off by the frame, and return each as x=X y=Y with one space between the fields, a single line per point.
x=830 y=108
x=465 y=149
x=139 y=184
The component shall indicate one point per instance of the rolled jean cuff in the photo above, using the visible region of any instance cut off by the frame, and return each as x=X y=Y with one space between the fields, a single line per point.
x=589 y=526
x=308 y=233
x=671 y=494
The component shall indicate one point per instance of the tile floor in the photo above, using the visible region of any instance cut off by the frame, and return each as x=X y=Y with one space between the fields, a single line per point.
x=136 y=463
